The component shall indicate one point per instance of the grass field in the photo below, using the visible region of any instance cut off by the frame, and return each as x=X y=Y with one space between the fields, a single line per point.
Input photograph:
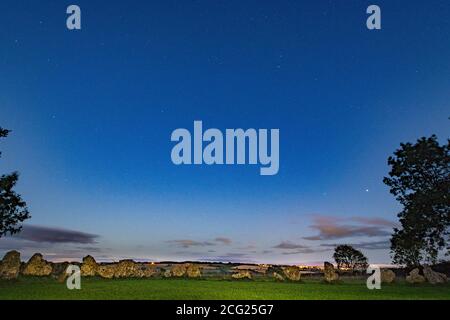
x=172 y=289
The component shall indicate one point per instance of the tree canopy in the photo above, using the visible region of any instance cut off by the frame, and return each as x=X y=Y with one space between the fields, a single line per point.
x=347 y=257
x=13 y=210
x=420 y=181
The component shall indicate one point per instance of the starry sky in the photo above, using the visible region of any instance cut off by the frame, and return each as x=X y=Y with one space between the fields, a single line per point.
x=92 y=111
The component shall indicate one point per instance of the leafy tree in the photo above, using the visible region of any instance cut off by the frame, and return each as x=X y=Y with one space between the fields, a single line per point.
x=347 y=257
x=420 y=181
x=13 y=210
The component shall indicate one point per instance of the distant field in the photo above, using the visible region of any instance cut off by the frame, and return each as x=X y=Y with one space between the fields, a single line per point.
x=173 y=289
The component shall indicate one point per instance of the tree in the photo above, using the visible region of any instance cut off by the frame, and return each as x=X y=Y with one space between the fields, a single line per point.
x=13 y=210
x=420 y=181
x=347 y=257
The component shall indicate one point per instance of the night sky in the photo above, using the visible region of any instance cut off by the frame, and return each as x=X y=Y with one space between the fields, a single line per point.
x=92 y=111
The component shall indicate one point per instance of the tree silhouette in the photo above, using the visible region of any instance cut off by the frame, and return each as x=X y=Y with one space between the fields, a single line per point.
x=420 y=181
x=347 y=257
x=13 y=210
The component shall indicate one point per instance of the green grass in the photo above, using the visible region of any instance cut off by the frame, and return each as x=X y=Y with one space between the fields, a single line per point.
x=172 y=289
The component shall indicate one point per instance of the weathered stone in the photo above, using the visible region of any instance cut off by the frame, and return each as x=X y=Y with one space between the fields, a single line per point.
x=128 y=269
x=329 y=273
x=167 y=273
x=59 y=271
x=253 y=268
x=415 y=277
x=106 y=271
x=89 y=267
x=10 y=265
x=178 y=270
x=193 y=271
x=148 y=270
x=387 y=276
x=278 y=277
x=292 y=273
x=242 y=275
x=433 y=277
x=59 y=267
x=37 y=266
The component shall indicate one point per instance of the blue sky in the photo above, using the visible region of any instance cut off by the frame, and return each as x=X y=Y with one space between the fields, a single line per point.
x=92 y=112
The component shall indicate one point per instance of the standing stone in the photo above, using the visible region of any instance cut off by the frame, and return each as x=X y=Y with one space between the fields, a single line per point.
x=242 y=275
x=292 y=273
x=278 y=277
x=59 y=267
x=128 y=269
x=329 y=273
x=178 y=270
x=89 y=267
x=167 y=273
x=193 y=271
x=433 y=277
x=148 y=270
x=10 y=266
x=37 y=266
x=106 y=271
x=415 y=277
x=60 y=271
x=387 y=276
